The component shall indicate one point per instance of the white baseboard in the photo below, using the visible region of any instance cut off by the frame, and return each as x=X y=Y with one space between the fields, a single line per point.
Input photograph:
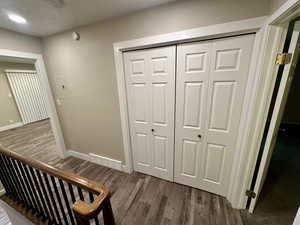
x=126 y=169
x=78 y=155
x=11 y=126
x=108 y=162
x=100 y=160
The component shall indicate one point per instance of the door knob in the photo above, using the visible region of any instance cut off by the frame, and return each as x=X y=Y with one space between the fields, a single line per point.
x=152 y=130
x=199 y=136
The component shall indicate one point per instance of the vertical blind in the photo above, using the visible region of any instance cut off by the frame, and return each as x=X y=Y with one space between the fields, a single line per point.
x=28 y=93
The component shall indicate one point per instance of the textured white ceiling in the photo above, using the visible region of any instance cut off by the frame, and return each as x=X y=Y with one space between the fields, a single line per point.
x=46 y=17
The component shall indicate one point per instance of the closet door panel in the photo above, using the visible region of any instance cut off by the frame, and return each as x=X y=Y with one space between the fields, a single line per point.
x=150 y=76
x=221 y=105
x=137 y=79
x=162 y=81
x=211 y=82
x=191 y=100
x=215 y=157
x=229 y=69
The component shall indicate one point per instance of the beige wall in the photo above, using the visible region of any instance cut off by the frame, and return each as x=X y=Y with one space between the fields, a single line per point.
x=275 y=4
x=19 y=42
x=9 y=113
x=90 y=112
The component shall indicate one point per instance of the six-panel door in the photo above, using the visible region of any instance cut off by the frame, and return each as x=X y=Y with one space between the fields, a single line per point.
x=211 y=80
x=150 y=77
x=211 y=83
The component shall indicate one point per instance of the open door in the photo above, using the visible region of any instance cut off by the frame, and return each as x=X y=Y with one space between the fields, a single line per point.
x=285 y=78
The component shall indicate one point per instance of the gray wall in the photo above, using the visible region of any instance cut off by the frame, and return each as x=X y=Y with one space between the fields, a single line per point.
x=89 y=112
x=19 y=42
x=9 y=113
x=275 y=4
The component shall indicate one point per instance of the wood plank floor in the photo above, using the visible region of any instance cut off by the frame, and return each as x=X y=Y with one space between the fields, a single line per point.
x=137 y=199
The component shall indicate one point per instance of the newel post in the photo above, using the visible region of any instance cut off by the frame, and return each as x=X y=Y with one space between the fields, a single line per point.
x=108 y=215
x=81 y=220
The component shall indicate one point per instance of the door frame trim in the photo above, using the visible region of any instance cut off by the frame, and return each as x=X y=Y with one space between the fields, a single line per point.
x=37 y=60
x=254 y=25
x=274 y=38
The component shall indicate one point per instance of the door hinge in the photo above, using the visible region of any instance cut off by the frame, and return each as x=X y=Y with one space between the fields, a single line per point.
x=250 y=194
x=283 y=58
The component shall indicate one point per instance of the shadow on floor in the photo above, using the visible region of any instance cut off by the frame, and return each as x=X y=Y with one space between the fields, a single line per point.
x=280 y=196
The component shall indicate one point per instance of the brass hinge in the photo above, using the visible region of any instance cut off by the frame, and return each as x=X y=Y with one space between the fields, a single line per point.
x=283 y=58
x=250 y=194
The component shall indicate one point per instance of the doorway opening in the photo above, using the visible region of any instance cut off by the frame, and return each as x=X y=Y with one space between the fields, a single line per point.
x=28 y=119
x=280 y=192
x=276 y=179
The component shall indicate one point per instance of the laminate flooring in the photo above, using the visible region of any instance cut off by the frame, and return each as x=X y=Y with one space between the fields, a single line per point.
x=137 y=199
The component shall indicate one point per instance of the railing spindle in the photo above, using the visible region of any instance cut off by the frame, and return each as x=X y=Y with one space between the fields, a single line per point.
x=4 y=182
x=59 y=200
x=39 y=193
x=50 y=208
x=52 y=198
x=16 y=179
x=26 y=186
x=33 y=193
x=91 y=195
x=4 y=179
x=41 y=187
x=71 y=192
x=11 y=178
x=108 y=215
x=67 y=202
x=22 y=185
x=80 y=193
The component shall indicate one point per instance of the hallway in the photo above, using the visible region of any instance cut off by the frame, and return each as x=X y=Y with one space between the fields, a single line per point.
x=137 y=199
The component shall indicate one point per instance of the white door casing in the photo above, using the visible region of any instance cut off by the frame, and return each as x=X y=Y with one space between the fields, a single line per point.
x=150 y=82
x=280 y=103
x=212 y=78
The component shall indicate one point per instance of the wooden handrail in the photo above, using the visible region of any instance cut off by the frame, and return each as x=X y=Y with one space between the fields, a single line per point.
x=72 y=178
x=82 y=210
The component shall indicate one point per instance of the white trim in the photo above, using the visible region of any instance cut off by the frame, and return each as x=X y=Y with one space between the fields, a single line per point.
x=274 y=40
x=260 y=112
x=297 y=218
x=284 y=12
x=11 y=126
x=128 y=166
x=22 y=71
x=254 y=25
x=79 y=155
x=235 y=188
x=201 y=33
x=100 y=160
x=105 y=161
x=38 y=61
x=278 y=111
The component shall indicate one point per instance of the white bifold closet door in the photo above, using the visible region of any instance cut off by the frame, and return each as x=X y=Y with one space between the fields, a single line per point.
x=210 y=88
x=150 y=78
x=29 y=95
